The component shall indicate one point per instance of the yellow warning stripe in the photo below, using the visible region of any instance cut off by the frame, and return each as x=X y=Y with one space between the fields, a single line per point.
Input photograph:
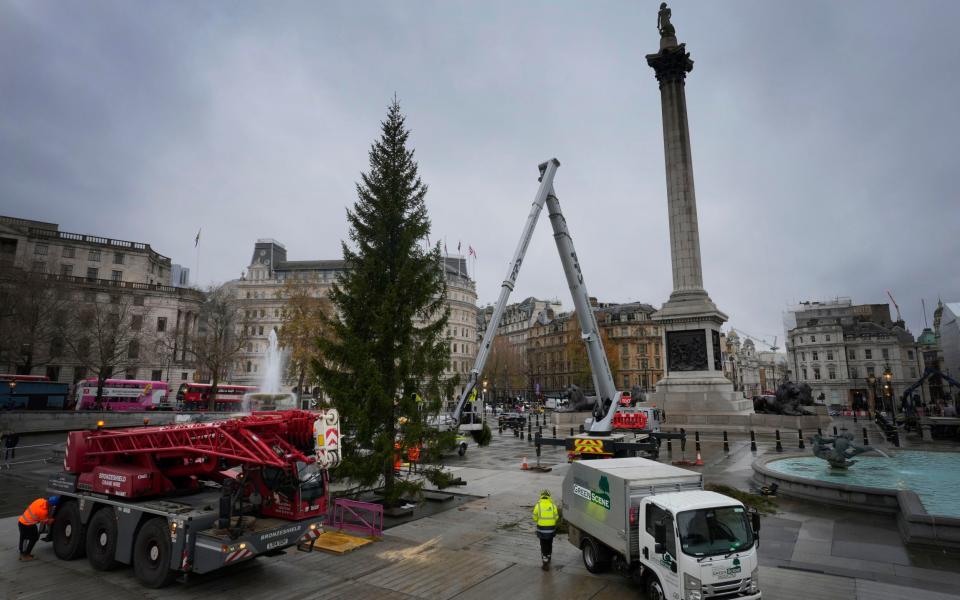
x=593 y=443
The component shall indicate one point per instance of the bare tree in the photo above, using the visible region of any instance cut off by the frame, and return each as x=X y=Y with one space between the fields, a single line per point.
x=106 y=335
x=32 y=309
x=220 y=337
x=303 y=323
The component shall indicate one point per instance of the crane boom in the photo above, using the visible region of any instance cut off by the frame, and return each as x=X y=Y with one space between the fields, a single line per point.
x=895 y=305
x=602 y=377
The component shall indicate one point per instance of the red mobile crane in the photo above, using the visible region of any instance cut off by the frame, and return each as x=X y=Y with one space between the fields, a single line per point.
x=192 y=498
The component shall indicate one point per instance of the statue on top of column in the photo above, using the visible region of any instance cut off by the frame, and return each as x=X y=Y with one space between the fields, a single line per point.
x=663 y=21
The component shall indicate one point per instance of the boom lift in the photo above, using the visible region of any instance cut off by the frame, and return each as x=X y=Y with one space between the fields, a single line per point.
x=600 y=440
x=194 y=497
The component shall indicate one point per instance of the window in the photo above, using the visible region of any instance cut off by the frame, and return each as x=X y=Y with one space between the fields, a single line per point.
x=853 y=373
x=913 y=372
x=93 y=256
x=131 y=373
x=801 y=339
x=828 y=337
x=816 y=355
x=260 y=330
x=867 y=353
x=885 y=352
x=852 y=354
x=656 y=362
x=654 y=514
x=813 y=338
x=66 y=270
x=183 y=376
x=249 y=366
x=804 y=370
x=816 y=372
x=39 y=266
x=118 y=258
x=623 y=331
x=138 y=300
x=871 y=371
x=92 y=272
x=626 y=381
x=829 y=354
x=41 y=250
x=53 y=373
x=625 y=350
x=831 y=373
x=803 y=356
x=136 y=322
x=116 y=275
x=910 y=354
x=133 y=350
x=69 y=252
x=156 y=375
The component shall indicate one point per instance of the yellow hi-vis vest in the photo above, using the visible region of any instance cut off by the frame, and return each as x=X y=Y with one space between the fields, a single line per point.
x=545 y=513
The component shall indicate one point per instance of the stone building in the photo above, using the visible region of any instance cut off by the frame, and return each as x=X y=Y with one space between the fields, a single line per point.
x=949 y=337
x=851 y=354
x=92 y=268
x=557 y=357
x=752 y=372
x=261 y=305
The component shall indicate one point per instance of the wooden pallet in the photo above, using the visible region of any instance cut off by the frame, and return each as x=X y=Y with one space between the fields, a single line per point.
x=338 y=542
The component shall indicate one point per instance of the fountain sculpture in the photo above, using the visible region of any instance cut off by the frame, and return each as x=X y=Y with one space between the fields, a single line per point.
x=840 y=452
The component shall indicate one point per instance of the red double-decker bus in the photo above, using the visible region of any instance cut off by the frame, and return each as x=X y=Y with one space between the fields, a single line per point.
x=196 y=396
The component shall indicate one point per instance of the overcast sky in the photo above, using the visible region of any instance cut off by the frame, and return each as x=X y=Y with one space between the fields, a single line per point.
x=825 y=136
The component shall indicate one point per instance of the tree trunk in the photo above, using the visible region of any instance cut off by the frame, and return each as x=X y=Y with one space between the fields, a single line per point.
x=101 y=380
x=214 y=381
x=300 y=386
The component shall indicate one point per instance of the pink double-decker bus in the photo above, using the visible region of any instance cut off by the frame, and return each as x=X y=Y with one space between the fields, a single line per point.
x=130 y=395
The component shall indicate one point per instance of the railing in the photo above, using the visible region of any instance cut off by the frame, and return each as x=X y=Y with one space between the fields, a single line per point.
x=358 y=516
x=93 y=239
x=112 y=284
x=27 y=223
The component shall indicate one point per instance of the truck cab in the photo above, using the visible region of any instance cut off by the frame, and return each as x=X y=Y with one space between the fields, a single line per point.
x=697 y=545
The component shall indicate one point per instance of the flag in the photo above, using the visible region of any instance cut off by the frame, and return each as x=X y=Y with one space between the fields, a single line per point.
x=458 y=247
x=197 y=240
x=472 y=251
x=445 y=247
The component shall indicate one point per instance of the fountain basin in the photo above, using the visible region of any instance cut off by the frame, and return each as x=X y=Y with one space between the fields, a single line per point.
x=921 y=488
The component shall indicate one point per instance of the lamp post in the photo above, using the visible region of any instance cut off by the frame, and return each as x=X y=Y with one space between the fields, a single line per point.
x=888 y=392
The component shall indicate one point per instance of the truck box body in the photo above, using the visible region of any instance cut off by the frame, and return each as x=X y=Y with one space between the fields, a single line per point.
x=598 y=495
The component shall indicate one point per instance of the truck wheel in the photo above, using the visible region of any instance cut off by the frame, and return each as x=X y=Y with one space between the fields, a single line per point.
x=101 y=543
x=594 y=556
x=462 y=450
x=654 y=589
x=68 y=532
x=152 y=554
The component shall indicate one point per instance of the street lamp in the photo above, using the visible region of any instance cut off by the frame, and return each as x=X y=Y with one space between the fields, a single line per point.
x=888 y=391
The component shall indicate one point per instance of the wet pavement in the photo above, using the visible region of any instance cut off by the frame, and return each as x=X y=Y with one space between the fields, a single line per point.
x=482 y=544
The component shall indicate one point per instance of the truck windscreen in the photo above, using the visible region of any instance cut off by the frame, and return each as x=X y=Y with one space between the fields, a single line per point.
x=711 y=531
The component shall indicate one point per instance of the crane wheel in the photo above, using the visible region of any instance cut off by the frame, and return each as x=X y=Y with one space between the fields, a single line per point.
x=68 y=532
x=152 y=554
x=101 y=542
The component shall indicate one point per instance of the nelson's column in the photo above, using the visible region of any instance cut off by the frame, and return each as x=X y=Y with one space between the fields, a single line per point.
x=694 y=383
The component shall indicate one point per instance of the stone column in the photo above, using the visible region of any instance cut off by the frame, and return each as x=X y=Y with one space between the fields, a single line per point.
x=671 y=66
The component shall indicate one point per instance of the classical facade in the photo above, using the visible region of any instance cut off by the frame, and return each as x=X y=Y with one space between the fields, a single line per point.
x=632 y=341
x=752 y=372
x=261 y=305
x=948 y=331
x=92 y=269
x=851 y=354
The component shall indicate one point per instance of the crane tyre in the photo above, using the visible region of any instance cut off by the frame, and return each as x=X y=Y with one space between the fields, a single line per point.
x=68 y=532
x=595 y=557
x=152 y=554
x=101 y=542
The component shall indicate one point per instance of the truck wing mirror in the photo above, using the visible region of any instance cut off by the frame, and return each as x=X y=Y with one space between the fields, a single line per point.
x=673 y=566
x=658 y=548
x=755 y=521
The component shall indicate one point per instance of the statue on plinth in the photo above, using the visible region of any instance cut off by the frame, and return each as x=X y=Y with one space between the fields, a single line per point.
x=790 y=400
x=840 y=450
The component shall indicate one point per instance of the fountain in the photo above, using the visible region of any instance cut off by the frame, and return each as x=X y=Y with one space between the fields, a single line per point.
x=270 y=397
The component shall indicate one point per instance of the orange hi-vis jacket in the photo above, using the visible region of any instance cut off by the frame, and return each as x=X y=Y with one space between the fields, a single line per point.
x=36 y=513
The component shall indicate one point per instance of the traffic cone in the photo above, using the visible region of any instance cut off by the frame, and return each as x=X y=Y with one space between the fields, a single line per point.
x=699 y=461
x=524 y=464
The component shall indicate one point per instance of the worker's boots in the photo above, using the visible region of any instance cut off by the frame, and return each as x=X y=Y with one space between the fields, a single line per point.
x=546 y=563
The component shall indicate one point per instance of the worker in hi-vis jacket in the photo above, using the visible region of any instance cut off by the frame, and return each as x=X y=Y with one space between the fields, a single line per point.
x=545 y=515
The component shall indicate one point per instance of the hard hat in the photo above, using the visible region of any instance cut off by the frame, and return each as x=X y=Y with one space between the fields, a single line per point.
x=544 y=493
x=53 y=500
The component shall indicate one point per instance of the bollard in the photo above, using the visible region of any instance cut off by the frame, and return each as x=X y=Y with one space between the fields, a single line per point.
x=538 y=448
x=696 y=437
x=800 y=439
x=581 y=428
x=854 y=416
x=571 y=432
x=521 y=434
x=779 y=444
x=753 y=441
x=540 y=431
x=529 y=426
x=726 y=444
x=516 y=432
x=683 y=440
x=669 y=446
x=500 y=427
x=554 y=431
x=835 y=431
x=866 y=442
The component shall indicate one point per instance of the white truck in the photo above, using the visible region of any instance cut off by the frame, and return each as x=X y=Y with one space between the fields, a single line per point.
x=655 y=523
